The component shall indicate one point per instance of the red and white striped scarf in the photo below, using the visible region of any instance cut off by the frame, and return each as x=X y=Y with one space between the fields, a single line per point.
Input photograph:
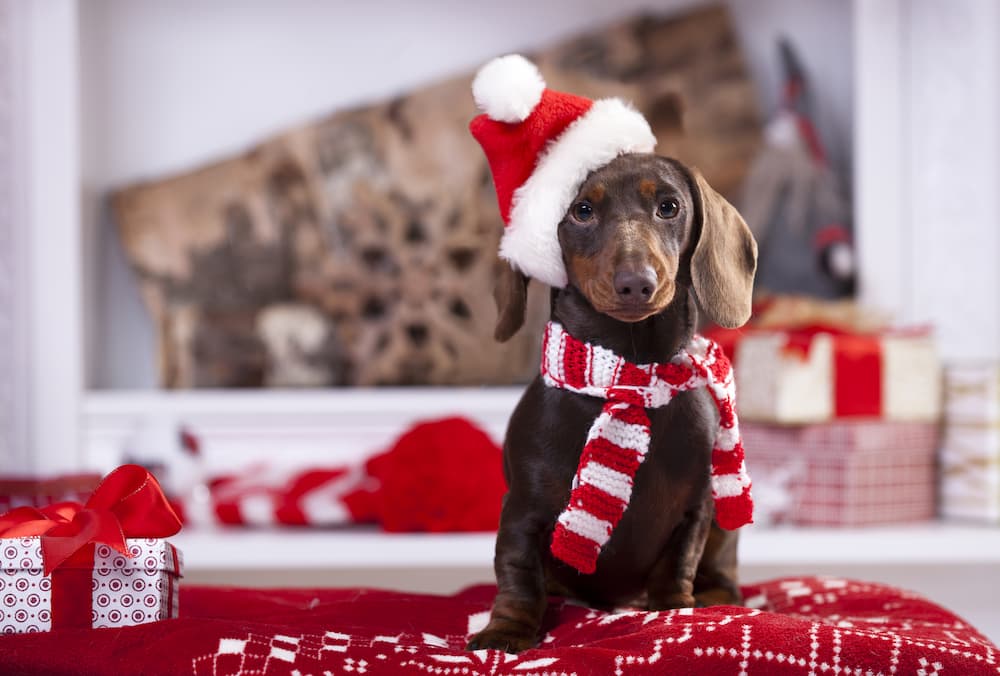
x=619 y=438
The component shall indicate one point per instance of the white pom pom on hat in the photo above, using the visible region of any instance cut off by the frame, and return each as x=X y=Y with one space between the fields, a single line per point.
x=508 y=88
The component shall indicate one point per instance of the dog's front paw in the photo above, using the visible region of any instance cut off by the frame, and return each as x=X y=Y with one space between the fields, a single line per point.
x=671 y=602
x=719 y=596
x=498 y=639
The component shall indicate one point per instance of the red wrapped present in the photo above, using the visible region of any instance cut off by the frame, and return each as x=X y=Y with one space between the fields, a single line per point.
x=101 y=564
x=21 y=491
x=843 y=473
x=820 y=373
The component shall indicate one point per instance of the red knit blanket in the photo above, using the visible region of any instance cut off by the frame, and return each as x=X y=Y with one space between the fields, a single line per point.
x=619 y=438
x=792 y=626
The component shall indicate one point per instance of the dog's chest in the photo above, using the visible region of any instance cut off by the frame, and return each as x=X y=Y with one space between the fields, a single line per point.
x=675 y=465
x=672 y=480
x=680 y=439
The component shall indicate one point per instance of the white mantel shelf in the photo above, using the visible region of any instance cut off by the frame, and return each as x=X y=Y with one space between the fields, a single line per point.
x=344 y=426
x=930 y=544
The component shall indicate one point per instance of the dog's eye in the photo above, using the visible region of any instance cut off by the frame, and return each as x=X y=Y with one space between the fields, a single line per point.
x=667 y=209
x=582 y=211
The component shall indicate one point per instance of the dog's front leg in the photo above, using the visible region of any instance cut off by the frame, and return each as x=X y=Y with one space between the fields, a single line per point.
x=521 y=597
x=717 y=582
x=671 y=582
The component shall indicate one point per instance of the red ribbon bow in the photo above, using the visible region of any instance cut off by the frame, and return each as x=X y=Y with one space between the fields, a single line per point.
x=128 y=503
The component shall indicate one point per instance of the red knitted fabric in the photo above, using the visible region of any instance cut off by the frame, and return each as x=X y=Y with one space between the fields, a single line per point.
x=790 y=627
x=619 y=438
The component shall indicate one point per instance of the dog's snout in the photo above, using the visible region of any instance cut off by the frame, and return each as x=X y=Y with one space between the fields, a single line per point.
x=635 y=285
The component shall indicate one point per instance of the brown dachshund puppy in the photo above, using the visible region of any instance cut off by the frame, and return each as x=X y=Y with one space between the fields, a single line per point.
x=644 y=242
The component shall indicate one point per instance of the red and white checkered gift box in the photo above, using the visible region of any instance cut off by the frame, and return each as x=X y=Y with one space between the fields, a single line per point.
x=843 y=473
x=817 y=374
x=97 y=587
x=970 y=450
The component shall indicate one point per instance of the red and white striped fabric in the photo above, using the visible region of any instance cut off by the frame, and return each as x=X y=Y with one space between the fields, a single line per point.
x=619 y=438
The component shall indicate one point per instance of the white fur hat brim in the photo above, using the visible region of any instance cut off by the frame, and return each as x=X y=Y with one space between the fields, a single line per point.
x=530 y=241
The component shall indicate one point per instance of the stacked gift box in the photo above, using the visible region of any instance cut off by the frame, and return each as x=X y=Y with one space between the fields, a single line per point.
x=840 y=419
x=22 y=491
x=970 y=448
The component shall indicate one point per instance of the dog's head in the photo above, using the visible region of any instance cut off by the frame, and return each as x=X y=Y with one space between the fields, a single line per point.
x=640 y=230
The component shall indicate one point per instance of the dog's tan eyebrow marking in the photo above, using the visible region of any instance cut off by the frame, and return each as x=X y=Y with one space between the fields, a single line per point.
x=595 y=194
x=647 y=188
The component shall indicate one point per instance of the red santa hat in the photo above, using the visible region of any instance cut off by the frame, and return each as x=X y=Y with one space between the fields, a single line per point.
x=541 y=145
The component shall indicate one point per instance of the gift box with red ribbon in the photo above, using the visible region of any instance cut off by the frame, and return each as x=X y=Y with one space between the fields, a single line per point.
x=819 y=373
x=99 y=564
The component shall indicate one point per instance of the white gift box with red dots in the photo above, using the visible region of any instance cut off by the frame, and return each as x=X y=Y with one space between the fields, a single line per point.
x=123 y=591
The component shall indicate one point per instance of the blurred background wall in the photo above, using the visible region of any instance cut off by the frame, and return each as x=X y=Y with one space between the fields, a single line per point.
x=168 y=86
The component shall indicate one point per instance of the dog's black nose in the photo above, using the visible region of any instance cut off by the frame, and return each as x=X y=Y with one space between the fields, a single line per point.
x=635 y=285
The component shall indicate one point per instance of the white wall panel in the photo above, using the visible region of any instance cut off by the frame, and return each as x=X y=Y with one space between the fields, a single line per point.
x=927 y=179
x=953 y=198
x=13 y=376
x=879 y=149
x=40 y=271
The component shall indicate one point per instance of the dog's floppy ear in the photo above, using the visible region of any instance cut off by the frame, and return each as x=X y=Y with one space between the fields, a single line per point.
x=511 y=295
x=725 y=256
